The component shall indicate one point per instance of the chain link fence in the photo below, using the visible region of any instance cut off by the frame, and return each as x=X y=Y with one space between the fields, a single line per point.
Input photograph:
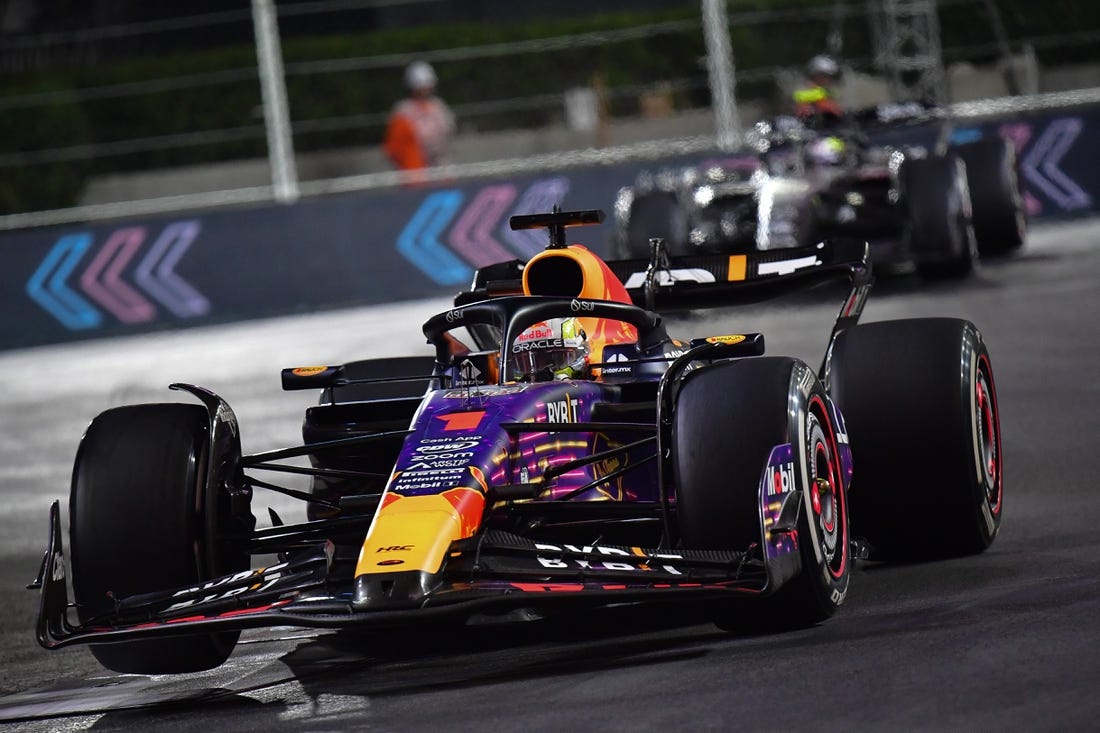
x=168 y=114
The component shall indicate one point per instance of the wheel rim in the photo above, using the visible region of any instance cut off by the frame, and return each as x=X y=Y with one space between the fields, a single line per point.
x=988 y=436
x=827 y=493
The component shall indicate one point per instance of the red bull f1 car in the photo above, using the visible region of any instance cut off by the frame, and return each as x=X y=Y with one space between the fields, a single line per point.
x=558 y=450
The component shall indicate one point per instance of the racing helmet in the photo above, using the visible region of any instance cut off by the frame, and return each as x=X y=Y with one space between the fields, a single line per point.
x=823 y=65
x=420 y=75
x=827 y=150
x=553 y=349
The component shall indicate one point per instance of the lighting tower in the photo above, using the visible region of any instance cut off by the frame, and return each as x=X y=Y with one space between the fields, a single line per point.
x=906 y=36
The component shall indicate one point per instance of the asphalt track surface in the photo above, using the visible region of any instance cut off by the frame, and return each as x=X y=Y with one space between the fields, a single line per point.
x=1007 y=640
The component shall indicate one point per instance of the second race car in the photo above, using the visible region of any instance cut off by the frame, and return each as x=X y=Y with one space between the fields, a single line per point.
x=906 y=180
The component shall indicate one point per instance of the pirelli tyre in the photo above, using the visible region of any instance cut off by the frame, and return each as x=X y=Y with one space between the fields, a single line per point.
x=920 y=406
x=653 y=214
x=140 y=522
x=729 y=417
x=1000 y=219
x=938 y=228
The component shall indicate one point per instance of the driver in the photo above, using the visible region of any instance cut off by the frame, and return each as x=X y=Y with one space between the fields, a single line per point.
x=826 y=151
x=553 y=349
x=815 y=101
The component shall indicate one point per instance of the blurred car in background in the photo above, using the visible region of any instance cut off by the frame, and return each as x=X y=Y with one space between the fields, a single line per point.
x=901 y=177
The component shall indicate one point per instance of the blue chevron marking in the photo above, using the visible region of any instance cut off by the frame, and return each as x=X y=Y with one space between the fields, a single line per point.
x=420 y=244
x=51 y=292
x=963 y=135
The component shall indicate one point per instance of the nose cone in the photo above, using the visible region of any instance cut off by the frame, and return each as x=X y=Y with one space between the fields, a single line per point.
x=384 y=591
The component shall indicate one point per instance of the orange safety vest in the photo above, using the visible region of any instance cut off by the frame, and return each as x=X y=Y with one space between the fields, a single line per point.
x=815 y=99
x=419 y=133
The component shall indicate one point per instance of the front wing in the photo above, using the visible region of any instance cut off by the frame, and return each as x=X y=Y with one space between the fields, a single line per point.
x=496 y=573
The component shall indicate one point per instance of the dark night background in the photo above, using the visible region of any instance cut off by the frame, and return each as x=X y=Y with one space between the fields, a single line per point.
x=21 y=18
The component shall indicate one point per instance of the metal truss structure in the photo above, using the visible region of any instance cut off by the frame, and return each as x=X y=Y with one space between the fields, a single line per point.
x=906 y=36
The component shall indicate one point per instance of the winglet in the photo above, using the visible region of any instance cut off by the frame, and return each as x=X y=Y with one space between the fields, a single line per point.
x=53 y=625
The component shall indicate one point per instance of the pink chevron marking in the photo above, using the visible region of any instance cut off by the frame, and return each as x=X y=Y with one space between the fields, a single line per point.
x=156 y=273
x=109 y=290
x=472 y=235
x=1019 y=133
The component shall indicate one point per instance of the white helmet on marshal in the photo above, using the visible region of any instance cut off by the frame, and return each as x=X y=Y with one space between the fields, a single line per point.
x=420 y=75
x=823 y=65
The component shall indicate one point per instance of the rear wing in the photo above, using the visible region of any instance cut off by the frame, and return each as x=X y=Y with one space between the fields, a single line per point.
x=677 y=283
x=666 y=284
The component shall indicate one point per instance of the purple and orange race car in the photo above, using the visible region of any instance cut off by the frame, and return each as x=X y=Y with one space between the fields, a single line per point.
x=559 y=450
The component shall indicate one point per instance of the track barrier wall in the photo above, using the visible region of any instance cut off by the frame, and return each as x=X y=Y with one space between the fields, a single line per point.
x=73 y=282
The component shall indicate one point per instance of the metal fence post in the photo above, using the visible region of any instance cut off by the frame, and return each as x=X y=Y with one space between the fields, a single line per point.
x=280 y=145
x=716 y=33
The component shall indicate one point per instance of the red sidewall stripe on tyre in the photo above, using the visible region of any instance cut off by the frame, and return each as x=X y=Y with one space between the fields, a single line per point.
x=835 y=478
x=984 y=368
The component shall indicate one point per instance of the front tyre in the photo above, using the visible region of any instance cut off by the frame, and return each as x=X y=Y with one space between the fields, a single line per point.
x=729 y=418
x=938 y=226
x=824 y=542
x=1000 y=218
x=138 y=519
x=654 y=214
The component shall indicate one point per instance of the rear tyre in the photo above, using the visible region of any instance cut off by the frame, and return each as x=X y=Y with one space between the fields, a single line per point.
x=938 y=225
x=920 y=406
x=654 y=214
x=728 y=418
x=138 y=524
x=1000 y=220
